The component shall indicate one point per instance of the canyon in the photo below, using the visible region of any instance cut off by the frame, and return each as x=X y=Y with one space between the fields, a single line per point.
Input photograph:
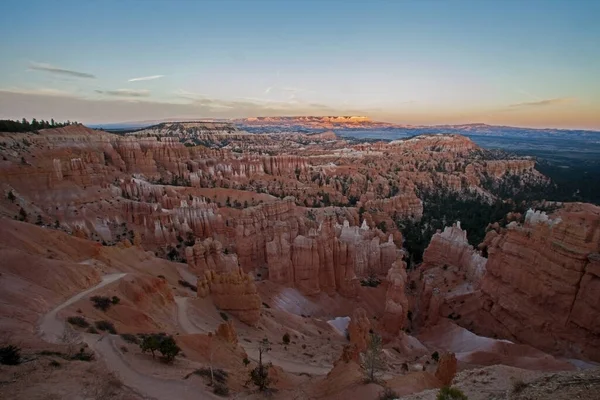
x=222 y=237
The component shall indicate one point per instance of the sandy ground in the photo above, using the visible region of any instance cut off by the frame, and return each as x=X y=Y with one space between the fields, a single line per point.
x=52 y=329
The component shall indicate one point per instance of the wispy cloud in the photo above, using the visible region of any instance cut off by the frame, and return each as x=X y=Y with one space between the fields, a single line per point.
x=125 y=93
x=544 y=103
x=145 y=78
x=268 y=90
x=59 y=71
x=40 y=92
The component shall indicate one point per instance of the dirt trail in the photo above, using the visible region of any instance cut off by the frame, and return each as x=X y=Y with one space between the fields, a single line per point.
x=52 y=328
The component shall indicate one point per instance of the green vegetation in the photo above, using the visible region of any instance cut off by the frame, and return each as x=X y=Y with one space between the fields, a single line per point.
x=286 y=338
x=129 y=338
x=106 y=326
x=224 y=316
x=259 y=376
x=373 y=363
x=78 y=321
x=388 y=394
x=10 y=355
x=102 y=302
x=7 y=125
x=162 y=343
x=450 y=393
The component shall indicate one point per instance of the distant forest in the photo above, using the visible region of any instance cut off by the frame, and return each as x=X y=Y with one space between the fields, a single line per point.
x=7 y=125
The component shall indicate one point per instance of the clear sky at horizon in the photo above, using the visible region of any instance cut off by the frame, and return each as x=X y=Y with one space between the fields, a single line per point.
x=529 y=63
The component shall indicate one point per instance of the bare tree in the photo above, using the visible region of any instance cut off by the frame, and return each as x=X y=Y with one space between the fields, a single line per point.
x=372 y=361
x=260 y=375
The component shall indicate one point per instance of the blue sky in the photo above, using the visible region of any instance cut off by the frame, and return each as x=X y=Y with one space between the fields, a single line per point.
x=532 y=63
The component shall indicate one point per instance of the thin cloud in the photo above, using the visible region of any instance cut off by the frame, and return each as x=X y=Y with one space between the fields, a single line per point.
x=125 y=93
x=544 y=103
x=40 y=92
x=59 y=71
x=268 y=90
x=145 y=78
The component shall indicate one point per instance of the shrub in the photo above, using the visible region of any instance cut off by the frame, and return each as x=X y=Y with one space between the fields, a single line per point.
x=169 y=349
x=83 y=355
x=260 y=375
x=92 y=329
x=388 y=394
x=115 y=300
x=10 y=355
x=106 y=326
x=224 y=316
x=54 y=364
x=518 y=386
x=219 y=374
x=166 y=345
x=246 y=361
x=221 y=390
x=435 y=356
x=11 y=196
x=265 y=305
x=78 y=321
x=101 y=302
x=129 y=338
x=286 y=338
x=450 y=393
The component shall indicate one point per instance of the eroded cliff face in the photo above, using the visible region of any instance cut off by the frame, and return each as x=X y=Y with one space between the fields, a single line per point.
x=233 y=292
x=329 y=258
x=541 y=279
x=539 y=285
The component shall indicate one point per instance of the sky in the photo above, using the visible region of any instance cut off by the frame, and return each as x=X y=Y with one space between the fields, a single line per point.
x=511 y=62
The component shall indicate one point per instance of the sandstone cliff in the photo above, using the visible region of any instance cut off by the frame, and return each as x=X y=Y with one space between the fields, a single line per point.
x=234 y=292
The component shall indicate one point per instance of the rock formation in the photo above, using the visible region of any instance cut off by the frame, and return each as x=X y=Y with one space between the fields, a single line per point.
x=226 y=332
x=396 y=302
x=234 y=292
x=359 y=329
x=446 y=369
x=541 y=280
x=451 y=248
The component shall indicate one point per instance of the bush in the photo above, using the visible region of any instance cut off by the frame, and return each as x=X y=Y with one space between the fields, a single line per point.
x=83 y=355
x=518 y=386
x=93 y=330
x=224 y=316
x=286 y=338
x=221 y=390
x=450 y=393
x=78 y=321
x=10 y=355
x=220 y=375
x=388 y=394
x=54 y=364
x=166 y=345
x=129 y=338
x=101 y=302
x=106 y=326
x=169 y=349
x=246 y=361
x=115 y=300
x=435 y=356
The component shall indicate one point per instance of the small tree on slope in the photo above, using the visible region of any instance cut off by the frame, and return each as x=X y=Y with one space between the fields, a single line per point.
x=372 y=361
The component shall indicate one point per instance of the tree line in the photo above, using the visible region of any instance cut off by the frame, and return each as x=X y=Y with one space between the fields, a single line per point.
x=8 y=125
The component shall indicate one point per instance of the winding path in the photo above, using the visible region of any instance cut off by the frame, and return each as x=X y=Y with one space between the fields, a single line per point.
x=52 y=330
